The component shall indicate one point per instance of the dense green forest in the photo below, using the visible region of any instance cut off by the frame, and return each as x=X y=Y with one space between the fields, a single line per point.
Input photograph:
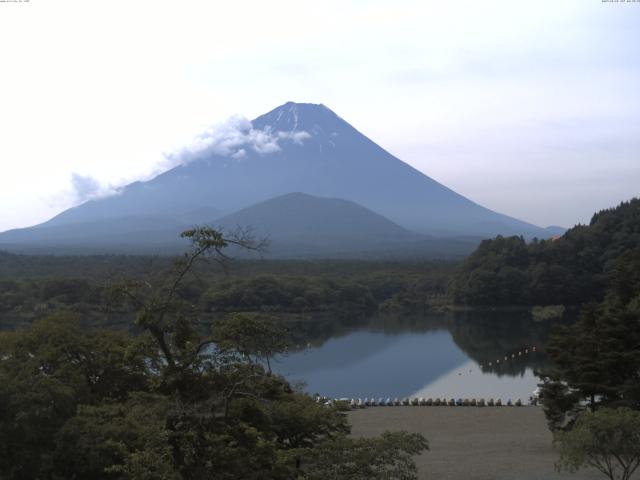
x=569 y=270
x=595 y=362
x=33 y=287
x=178 y=400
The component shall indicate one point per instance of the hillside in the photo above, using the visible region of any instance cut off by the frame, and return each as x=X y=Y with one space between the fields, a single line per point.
x=573 y=269
x=301 y=225
x=298 y=215
x=131 y=234
x=298 y=224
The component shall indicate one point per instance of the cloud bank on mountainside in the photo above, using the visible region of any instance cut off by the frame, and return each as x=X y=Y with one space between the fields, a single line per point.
x=233 y=138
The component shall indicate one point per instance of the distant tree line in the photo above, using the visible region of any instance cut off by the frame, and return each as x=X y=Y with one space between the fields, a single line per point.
x=353 y=290
x=297 y=294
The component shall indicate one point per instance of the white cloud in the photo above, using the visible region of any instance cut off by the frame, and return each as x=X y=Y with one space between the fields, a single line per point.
x=296 y=136
x=80 y=189
x=85 y=187
x=233 y=138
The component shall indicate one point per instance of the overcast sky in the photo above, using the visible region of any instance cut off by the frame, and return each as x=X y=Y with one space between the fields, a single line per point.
x=531 y=108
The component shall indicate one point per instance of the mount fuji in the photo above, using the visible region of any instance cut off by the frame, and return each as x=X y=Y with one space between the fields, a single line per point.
x=297 y=147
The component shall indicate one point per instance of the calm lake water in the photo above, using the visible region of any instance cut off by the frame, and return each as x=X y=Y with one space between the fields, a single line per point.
x=457 y=355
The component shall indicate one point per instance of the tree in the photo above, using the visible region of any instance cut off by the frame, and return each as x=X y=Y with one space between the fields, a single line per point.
x=168 y=318
x=254 y=336
x=570 y=270
x=46 y=372
x=389 y=456
x=608 y=440
x=596 y=360
x=229 y=418
x=108 y=440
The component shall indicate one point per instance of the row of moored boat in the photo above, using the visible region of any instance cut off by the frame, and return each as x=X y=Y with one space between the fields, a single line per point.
x=421 y=401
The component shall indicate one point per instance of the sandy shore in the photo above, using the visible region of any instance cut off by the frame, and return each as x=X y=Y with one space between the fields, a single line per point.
x=468 y=443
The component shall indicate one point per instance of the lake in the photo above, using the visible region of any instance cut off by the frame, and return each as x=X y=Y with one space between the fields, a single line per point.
x=478 y=355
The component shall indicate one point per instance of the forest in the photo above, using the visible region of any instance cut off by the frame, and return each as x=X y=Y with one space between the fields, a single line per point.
x=33 y=287
x=569 y=270
x=176 y=400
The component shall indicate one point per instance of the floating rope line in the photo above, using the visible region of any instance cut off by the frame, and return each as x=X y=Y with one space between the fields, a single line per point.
x=513 y=356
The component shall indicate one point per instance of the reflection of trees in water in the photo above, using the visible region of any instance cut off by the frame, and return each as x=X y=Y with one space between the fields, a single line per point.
x=489 y=336
x=484 y=336
x=315 y=329
x=418 y=323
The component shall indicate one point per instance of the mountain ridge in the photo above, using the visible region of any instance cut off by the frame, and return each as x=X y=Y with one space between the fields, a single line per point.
x=297 y=147
x=297 y=225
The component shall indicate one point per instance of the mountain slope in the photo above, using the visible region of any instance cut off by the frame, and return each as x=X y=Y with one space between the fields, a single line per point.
x=298 y=215
x=296 y=148
x=301 y=225
x=298 y=224
x=132 y=234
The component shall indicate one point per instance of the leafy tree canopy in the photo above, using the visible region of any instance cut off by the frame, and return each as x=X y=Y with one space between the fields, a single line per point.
x=607 y=440
x=597 y=360
x=570 y=270
x=178 y=401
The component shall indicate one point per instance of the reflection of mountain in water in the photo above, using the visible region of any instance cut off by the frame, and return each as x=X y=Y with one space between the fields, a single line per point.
x=484 y=336
x=399 y=356
x=374 y=363
x=468 y=380
x=332 y=354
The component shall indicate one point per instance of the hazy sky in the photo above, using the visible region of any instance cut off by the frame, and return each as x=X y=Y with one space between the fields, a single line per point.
x=531 y=108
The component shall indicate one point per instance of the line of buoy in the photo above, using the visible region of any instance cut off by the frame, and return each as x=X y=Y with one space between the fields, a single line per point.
x=513 y=356
x=420 y=401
